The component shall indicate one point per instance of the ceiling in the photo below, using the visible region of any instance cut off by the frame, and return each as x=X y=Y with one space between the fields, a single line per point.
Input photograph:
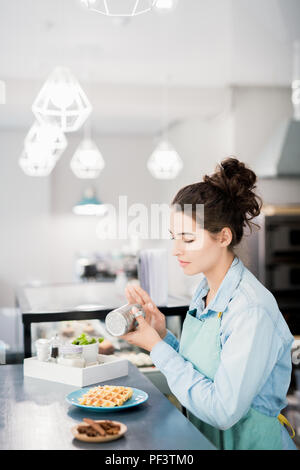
x=201 y=49
x=201 y=43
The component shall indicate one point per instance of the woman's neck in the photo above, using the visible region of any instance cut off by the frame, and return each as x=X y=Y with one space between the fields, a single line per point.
x=216 y=275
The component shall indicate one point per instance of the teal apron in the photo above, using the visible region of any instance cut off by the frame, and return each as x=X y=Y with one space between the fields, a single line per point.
x=200 y=344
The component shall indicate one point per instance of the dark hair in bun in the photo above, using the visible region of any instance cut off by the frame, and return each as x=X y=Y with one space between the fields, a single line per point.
x=228 y=197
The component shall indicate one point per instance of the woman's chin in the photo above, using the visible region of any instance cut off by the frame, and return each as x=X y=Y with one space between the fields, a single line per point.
x=188 y=270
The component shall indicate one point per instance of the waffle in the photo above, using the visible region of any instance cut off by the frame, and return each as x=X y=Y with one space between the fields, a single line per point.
x=106 y=396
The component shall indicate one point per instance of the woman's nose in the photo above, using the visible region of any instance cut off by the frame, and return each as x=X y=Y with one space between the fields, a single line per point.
x=177 y=248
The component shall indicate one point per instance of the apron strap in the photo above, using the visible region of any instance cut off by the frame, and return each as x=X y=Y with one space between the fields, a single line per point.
x=282 y=419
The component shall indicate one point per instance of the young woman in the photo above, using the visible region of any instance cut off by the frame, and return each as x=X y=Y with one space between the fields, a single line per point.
x=231 y=369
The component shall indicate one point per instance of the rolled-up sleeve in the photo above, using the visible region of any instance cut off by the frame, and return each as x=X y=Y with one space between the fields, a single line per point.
x=247 y=358
x=171 y=340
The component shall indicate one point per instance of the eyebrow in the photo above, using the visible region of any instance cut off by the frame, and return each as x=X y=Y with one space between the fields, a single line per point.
x=182 y=233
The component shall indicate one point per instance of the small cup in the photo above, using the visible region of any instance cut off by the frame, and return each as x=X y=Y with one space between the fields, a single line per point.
x=42 y=349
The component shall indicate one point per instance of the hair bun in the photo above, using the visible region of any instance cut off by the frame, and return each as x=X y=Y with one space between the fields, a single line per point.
x=239 y=178
x=233 y=178
x=237 y=182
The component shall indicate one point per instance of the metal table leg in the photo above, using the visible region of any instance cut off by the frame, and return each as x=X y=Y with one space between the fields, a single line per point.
x=27 y=339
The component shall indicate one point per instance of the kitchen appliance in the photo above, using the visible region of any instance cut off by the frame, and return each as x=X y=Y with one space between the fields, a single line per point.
x=279 y=259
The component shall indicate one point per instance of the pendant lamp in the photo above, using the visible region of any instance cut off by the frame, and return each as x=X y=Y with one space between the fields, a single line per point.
x=2 y=92
x=43 y=146
x=62 y=101
x=87 y=161
x=120 y=7
x=165 y=5
x=296 y=81
x=48 y=136
x=164 y=163
x=38 y=162
x=90 y=204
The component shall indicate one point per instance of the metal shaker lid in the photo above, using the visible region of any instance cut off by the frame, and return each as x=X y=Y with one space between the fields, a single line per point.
x=115 y=324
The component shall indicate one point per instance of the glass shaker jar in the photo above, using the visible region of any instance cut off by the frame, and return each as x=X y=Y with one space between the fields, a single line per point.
x=122 y=320
x=71 y=356
x=54 y=348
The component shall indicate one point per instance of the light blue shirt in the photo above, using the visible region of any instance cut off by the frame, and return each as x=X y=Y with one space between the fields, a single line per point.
x=255 y=363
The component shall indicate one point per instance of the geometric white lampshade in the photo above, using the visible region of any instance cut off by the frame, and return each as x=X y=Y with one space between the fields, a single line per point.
x=62 y=101
x=120 y=7
x=164 y=163
x=43 y=145
x=87 y=162
x=37 y=161
x=46 y=136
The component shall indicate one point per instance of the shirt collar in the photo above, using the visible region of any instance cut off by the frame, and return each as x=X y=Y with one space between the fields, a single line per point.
x=226 y=288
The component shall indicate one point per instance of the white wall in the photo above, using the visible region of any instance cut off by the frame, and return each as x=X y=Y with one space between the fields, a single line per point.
x=24 y=205
x=125 y=173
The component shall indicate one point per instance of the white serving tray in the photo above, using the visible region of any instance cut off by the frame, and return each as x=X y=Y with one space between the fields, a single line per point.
x=112 y=368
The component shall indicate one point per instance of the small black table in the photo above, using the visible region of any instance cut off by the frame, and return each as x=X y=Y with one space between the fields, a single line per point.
x=76 y=301
x=35 y=415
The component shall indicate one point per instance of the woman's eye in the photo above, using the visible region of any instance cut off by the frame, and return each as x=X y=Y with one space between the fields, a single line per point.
x=185 y=241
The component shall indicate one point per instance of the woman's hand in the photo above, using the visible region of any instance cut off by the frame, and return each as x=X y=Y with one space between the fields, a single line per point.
x=144 y=336
x=156 y=319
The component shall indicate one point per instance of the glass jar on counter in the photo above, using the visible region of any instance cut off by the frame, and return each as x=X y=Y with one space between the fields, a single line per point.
x=71 y=356
x=54 y=348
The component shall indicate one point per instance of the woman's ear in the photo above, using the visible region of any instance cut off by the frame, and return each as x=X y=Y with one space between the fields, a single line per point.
x=225 y=236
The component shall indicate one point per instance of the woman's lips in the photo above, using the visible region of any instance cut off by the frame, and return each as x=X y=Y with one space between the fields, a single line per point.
x=184 y=263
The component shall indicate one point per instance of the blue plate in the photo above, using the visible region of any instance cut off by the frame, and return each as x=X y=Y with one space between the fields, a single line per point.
x=138 y=397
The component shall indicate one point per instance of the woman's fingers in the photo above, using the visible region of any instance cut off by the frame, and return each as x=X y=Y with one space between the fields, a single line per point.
x=142 y=294
x=148 y=314
x=129 y=295
x=135 y=295
x=127 y=337
x=153 y=310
